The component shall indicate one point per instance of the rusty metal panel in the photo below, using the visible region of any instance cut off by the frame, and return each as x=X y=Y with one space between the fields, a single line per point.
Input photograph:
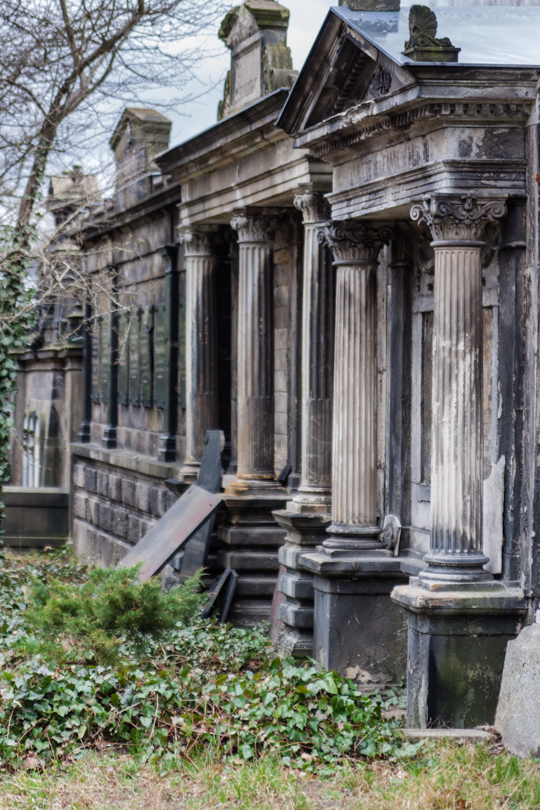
x=172 y=532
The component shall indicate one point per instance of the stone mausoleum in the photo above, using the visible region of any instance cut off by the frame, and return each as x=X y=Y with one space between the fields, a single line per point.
x=341 y=275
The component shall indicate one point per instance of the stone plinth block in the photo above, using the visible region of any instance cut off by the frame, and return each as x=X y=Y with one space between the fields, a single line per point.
x=518 y=711
x=456 y=648
x=358 y=631
x=304 y=531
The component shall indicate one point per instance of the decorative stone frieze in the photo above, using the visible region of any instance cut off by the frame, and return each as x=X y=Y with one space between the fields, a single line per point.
x=457 y=225
x=201 y=343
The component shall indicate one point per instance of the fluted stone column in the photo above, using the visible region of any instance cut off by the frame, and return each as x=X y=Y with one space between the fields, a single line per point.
x=317 y=360
x=357 y=629
x=255 y=386
x=354 y=460
x=307 y=515
x=462 y=629
x=457 y=225
x=201 y=344
x=250 y=534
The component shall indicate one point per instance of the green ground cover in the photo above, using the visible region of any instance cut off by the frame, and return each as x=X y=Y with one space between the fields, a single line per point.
x=201 y=716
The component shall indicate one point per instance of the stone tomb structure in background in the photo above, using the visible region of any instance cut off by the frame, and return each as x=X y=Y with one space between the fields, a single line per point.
x=343 y=278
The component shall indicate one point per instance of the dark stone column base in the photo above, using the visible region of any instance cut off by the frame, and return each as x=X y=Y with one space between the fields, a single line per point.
x=358 y=630
x=251 y=541
x=456 y=646
x=304 y=531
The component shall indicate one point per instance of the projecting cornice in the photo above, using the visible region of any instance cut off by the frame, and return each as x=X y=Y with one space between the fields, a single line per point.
x=357 y=125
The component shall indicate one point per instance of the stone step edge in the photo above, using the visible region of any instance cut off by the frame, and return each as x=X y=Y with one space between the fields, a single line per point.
x=465 y=734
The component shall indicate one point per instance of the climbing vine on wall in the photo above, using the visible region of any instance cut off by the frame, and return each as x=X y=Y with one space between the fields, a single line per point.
x=16 y=318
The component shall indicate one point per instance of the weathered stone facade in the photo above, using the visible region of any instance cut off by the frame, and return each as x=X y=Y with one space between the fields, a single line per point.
x=343 y=277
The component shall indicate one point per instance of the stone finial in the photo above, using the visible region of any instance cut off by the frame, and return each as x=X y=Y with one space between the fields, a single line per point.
x=355 y=242
x=261 y=62
x=422 y=45
x=455 y=218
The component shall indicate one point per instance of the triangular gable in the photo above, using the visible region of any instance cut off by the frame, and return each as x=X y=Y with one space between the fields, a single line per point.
x=342 y=70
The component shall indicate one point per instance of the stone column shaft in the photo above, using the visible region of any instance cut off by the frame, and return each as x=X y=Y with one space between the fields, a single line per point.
x=255 y=387
x=457 y=224
x=355 y=247
x=201 y=343
x=317 y=359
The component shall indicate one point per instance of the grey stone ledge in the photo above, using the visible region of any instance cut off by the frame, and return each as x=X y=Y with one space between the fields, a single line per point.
x=126 y=460
x=458 y=734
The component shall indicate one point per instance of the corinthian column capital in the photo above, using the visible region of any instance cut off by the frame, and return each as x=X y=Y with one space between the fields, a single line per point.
x=453 y=217
x=355 y=242
x=313 y=205
x=253 y=227
x=197 y=241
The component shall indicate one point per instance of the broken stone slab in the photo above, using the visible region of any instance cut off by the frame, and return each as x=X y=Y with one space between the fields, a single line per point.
x=518 y=710
x=172 y=532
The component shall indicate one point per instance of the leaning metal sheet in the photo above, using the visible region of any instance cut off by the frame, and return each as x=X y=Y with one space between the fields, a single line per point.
x=487 y=35
x=172 y=532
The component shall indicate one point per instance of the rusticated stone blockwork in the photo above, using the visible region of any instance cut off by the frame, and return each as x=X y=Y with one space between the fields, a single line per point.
x=108 y=521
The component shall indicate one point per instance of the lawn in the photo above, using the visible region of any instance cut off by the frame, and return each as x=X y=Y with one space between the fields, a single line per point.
x=203 y=717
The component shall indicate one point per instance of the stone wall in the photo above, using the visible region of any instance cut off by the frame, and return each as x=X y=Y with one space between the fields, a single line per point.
x=114 y=507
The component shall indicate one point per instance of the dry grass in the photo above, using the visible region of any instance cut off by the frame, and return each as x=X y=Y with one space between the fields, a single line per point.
x=451 y=777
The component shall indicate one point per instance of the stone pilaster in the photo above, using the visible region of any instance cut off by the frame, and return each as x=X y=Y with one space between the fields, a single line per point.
x=307 y=515
x=460 y=619
x=255 y=385
x=201 y=344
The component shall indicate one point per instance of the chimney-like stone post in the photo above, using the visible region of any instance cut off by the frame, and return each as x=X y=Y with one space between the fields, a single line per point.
x=201 y=344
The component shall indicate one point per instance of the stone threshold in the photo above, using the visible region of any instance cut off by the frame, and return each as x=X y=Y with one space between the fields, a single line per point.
x=127 y=460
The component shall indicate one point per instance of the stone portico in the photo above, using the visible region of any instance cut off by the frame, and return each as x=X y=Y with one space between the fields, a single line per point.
x=341 y=274
x=429 y=155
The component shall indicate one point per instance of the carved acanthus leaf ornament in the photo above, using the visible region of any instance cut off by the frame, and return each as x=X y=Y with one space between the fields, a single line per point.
x=313 y=205
x=196 y=242
x=355 y=242
x=451 y=218
x=253 y=228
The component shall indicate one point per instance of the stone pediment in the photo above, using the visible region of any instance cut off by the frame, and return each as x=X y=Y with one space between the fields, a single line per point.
x=343 y=70
x=353 y=76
